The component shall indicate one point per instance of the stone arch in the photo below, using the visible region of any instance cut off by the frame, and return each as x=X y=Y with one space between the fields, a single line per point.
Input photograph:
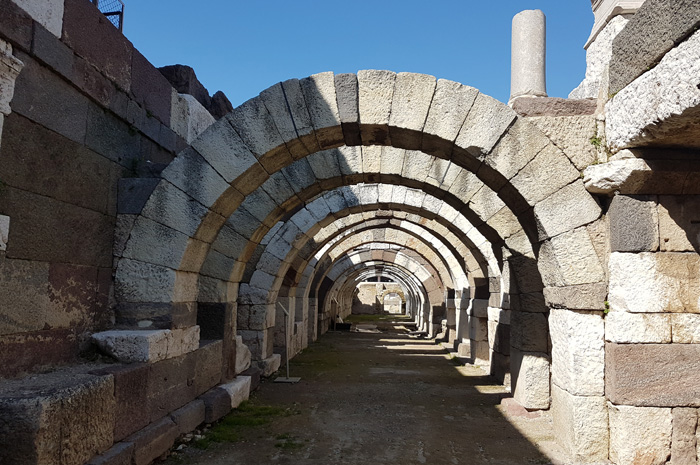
x=525 y=176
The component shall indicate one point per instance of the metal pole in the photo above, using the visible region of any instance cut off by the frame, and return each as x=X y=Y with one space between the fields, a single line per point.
x=286 y=345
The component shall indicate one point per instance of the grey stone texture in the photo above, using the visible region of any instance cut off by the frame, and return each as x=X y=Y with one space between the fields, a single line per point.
x=64 y=417
x=528 y=47
x=657 y=26
x=633 y=224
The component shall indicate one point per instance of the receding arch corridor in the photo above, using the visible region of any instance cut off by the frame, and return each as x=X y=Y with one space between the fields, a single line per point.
x=386 y=398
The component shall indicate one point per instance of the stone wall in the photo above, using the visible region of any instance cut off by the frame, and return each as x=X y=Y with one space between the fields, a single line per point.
x=87 y=123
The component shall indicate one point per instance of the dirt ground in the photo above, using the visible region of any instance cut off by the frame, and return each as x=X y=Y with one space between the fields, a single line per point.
x=377 y=398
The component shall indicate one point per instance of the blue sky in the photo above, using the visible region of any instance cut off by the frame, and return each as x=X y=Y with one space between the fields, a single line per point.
x=243 y=47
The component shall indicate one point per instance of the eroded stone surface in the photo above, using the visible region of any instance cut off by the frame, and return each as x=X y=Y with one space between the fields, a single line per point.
x=639 y=434
x=578 y=351
x=582 y=423
x=652 y=375
x=654 y=282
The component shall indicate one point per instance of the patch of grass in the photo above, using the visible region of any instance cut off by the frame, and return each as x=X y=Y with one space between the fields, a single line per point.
x=288 y=442
x=596 y=141
x=235 y=425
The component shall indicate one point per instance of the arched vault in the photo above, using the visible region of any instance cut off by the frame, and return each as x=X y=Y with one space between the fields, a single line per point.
x=307 y=154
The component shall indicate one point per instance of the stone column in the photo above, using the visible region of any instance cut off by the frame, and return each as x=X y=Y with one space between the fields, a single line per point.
x=528 y=49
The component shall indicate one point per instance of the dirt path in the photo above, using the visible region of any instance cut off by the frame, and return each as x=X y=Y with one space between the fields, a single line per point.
x=380 y=398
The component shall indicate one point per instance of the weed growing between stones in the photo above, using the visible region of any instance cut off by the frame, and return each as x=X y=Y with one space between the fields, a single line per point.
x=240 y=422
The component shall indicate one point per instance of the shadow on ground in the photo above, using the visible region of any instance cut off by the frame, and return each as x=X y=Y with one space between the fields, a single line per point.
x=377 y=398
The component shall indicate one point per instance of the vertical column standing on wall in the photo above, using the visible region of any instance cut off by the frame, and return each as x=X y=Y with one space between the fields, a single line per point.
x=528 y=53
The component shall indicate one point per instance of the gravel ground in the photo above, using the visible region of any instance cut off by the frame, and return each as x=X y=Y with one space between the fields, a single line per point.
x=381 y=398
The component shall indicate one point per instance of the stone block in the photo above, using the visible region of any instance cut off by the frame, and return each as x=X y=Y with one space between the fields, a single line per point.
x=412 y=98
x=518 y=146
x=190 y=416
x=119 y=454
x=238 y=390
x=525 y=273
x=224 y=149
x=580 y=297
x=625 y=327
x=170 y=385
x=566 y=209
x=150 y=88
x=685 y=328
x=254 y=373
x=654 y=282
x=572 y=134
x=578 y=351
x=678 y=229
x=192 y=118
x=346 y=89
x=24 y=308
x=549 y=163
x=146 y=244
x=633 y=224
x=639 y=434
x=147 y=345
x=48 y=100
x=581 y=423
x=569 y=259
x=153 y=441
x=375 y=93
x=478 y=329
x=683 y=438
x=217 y=403
x=530 y=379
x=448 y=110
x=270 y=365
x=528 y=331
x=62 y=417
x=486 y=122
x=196 y=177
x=243 y=356
x=16 y=24
x=208 y=366
x=285 y=103
x=131 y=398
x=47 y=47
x=652 y=375
x=553 y=106
x=28 y=352
x=641 y=115
x=87 y=32
x=320 y=97
x=652 y=31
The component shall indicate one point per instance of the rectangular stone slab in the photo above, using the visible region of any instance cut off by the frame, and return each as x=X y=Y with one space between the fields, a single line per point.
x=653 y=375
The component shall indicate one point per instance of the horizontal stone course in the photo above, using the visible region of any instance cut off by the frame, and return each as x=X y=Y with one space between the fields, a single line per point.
x=654 y=282
x=652 y=375
x=63 y=417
